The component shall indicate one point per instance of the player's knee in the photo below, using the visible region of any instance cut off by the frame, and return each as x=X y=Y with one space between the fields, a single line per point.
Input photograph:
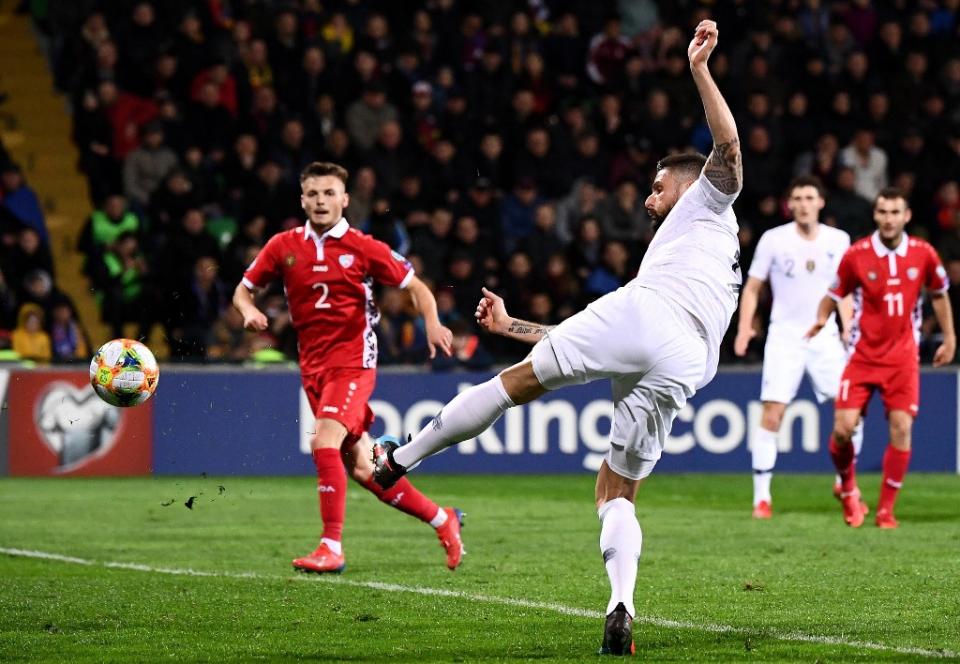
x=843 y=432
x=771 y=419
x=521 y=383
x=329 y=434
x=900 y=435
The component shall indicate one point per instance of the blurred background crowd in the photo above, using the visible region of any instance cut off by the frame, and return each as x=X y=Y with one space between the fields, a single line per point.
x=505 y=143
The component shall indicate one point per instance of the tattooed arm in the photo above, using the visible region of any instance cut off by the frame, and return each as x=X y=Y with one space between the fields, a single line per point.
x=492 y=316
x=724 y=167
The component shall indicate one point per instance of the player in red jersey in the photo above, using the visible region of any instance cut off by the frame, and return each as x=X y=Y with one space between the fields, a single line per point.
x=328 y=270
x=886 y=273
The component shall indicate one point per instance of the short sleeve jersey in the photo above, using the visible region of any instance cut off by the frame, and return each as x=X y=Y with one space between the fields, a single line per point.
x=799 y=271
x=328 y=280
x=887 y=287
x=694 y=260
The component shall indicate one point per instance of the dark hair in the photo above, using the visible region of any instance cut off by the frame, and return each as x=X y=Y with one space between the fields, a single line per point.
x=807 y=181
x=891 y=193
x=687 y=164
x=321 y=168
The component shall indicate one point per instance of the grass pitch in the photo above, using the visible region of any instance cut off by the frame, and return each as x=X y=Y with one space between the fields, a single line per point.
x=714 y=585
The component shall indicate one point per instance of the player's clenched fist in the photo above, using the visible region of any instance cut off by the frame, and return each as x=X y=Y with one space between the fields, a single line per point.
x=492 y=314
x=255 y=321
x=703 y=42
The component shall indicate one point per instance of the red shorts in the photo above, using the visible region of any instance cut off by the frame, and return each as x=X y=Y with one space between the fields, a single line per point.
x=899 y=386
x=341 y=394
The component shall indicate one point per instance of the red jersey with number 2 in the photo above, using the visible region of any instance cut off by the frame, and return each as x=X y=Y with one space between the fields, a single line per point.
x=328 y=280
x=887 y=287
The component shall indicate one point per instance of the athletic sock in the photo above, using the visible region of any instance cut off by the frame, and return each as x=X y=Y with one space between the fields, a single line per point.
x=467 y=415
x=332 y=489
x=895 y=464
x=856 y=439
x=764 y=458
x=620 y=542
x=845 y=463
x=405 y=497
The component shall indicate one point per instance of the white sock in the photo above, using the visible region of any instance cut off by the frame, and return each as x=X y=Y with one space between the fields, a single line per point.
x=764 y=455
x=333 y=545
x=439 y=519
x=467 y=415
x=620 y=542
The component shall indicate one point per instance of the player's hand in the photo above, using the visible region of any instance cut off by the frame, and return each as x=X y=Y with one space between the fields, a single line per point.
x=814 y=331
x=438 y=335
x=945 y=353
x=703 y=42
x=492 y=314
x=254 y=320
x=742 y=341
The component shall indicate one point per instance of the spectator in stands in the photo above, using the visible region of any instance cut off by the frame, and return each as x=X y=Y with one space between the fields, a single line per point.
x=29 y=340
x=198 y=302
x=123 y=296
x=21 y=201
x=623 y=216
x=28 y=254
x=518 y=213
x=147 y=165
x=68 y=340
x=869 y=164
x=469 y=352
x=102 y=229
x=367 y=116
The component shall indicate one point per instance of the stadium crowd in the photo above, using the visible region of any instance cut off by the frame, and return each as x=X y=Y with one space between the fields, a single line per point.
x=508 y=144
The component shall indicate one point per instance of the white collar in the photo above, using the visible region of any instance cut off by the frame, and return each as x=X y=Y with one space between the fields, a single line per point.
x=337 y=231
x=882 y=249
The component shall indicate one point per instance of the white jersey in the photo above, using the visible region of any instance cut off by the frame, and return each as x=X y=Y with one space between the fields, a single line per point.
x=800 y=272
x=693 y=260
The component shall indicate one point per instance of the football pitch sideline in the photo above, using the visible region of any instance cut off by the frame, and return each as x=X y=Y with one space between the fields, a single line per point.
x=119 y=570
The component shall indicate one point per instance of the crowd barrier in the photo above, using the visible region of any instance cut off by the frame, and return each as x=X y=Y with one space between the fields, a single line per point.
x=240 y=421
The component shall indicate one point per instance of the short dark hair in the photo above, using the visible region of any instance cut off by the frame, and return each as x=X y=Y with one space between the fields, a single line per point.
x=891 y=193
x=688 y=164
x=807 y=181
x=321 y=168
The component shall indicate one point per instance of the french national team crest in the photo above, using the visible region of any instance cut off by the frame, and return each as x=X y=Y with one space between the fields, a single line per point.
x=346 y=260
x=913 y=273
x=811 y=265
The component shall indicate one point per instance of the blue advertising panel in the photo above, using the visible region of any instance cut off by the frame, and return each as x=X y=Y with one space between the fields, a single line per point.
x=253 y=422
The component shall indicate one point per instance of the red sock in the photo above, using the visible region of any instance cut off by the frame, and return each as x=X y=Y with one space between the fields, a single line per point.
x=845 y=463
x=895 y=464
x=332 y=489
x=405 y=497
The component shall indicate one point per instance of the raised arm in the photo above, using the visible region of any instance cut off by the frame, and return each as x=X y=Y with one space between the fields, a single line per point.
x=492 y=316
x=724 y=167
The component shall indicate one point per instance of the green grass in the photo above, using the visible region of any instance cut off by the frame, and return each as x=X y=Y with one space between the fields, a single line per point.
x=705 y=564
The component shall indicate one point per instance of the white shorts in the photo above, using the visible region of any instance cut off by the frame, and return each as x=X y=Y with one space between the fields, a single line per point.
x=649 y=349
x=786 y=359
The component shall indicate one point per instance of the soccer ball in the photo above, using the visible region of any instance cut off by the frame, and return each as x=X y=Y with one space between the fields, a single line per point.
x=124 y=372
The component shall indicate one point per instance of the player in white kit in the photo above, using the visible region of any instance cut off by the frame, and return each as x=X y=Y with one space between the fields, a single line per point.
x=656 y=339
x=800 y=261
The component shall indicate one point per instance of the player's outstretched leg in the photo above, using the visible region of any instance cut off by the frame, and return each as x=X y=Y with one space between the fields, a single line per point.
x=332 y=491
x=467 y=415
x=764 y=457
x=620 y=542
x=446 y=521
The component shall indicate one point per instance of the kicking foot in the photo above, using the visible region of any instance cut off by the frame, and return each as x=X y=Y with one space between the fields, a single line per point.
x=837 y=490
x=386 y=471
x=449 y=536
x=322 y=561
x=618 y=633
x=852 y=508
x=886 y=520
x=763 y=510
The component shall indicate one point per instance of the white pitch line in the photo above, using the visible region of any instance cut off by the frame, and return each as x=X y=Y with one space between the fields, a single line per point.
x=490 y=599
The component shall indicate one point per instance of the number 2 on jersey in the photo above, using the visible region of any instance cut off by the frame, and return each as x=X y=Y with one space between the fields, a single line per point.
x=324 y=294
x=894 y=304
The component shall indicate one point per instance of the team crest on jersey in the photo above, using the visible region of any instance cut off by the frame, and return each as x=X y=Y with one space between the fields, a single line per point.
x=346 y=260
x=912 y=273
x=811 y=266
x=872 y=276
x=289 y=260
